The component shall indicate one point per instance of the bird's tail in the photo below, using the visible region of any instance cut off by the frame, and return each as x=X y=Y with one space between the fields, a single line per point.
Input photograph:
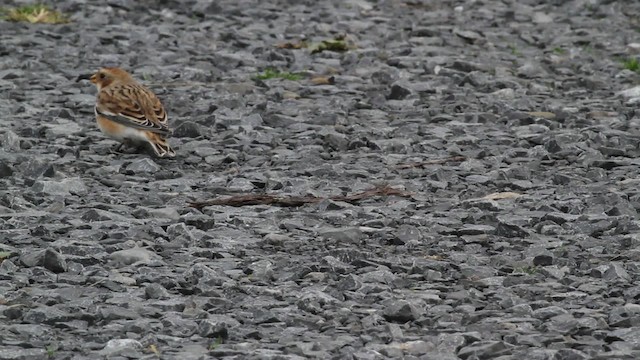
x=160 y=146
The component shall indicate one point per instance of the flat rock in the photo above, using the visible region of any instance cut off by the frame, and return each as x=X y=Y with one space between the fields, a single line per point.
x=131 y=256
x=73 y=186
x=49 y=259
x=145 y=165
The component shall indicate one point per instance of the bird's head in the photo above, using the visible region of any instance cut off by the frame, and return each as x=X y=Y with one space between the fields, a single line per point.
x=107 y=76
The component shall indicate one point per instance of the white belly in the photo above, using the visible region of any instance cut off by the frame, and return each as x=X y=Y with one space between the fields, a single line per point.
x=123 y=133
x=118 y=131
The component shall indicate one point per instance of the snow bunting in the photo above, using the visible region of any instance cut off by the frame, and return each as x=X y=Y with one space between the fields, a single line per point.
x=129 y=112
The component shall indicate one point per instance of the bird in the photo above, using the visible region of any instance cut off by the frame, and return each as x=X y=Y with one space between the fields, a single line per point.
x=129 y=112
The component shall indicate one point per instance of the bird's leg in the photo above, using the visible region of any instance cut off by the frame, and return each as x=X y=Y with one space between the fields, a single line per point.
x=118 y=148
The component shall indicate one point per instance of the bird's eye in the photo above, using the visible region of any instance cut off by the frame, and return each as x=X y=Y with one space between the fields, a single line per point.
x=102 y=76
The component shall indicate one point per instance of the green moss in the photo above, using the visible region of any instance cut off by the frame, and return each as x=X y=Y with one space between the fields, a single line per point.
x=35 y=14
x=339 y=43
x=526 y=270
x=214 y=345
x=274 y=74
x=632 y=64
x=51 y=350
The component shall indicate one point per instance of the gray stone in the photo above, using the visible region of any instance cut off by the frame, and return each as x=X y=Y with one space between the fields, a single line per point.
x=212 y=329
x=336 y=141
x=36 y=168
x=144 y=165
x=332 y=264
x=46 y=315
x=49 y=259
x=132 y=256
x=187 y=129
x=252 y=120
x=205 y=278
x=19 y=353
x=401 y=311
x=10 y=141
x=176 y=325
x=6 y=170
x=128 y=347
x=406 y=233
x=616 y=272
x=563 y=324
x=631 y=335
x=262 y=269
x=548 y=312
x=344 y=235
x=155 y=291
x=72 y=186
x=545 y=259
x=572 y=354
x=178 y=229
x=114 y=313
x=398 y=92
x=484 y=349
x=313 y=301
x=240 y=185
x=165 y=213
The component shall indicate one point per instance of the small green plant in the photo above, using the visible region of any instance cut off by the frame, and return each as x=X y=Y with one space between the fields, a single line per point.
x=339 y=43
x=51 y=350
x=526 y=270
x=273 y=74
x=514 y=50
x=214 y=345
x=35 y=14
x=559 y=51
x=632 y=64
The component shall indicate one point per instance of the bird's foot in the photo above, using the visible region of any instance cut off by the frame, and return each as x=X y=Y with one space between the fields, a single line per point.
x=119 y=148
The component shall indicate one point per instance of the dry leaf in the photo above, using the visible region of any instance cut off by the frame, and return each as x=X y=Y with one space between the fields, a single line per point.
x=323 y=80
x=542 y=114
x=154 y=349
x=290 y=95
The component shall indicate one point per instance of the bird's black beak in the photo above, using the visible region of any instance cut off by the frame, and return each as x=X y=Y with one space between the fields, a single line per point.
x=84 y=77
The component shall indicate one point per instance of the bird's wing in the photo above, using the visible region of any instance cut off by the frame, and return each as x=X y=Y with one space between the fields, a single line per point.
x=133 y=105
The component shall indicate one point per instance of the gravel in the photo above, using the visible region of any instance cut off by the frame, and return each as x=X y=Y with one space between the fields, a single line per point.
x=519 y=241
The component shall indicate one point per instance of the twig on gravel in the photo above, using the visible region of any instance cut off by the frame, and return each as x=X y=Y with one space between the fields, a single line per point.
x=431 y=162
x=294 y=201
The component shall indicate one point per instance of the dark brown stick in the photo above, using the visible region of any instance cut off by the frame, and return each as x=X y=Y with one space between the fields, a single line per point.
x=294 y=201
x=430 y=162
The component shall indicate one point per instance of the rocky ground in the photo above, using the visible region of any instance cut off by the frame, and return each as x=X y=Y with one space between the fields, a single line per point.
x=513 y=125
